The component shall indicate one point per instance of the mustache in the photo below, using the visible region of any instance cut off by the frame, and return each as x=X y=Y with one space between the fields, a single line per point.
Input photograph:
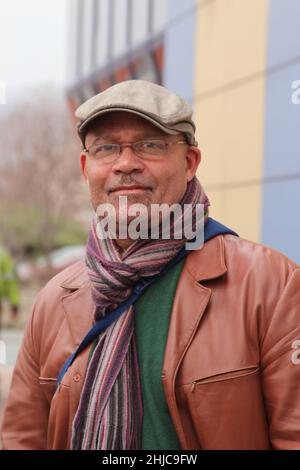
x=129 y=180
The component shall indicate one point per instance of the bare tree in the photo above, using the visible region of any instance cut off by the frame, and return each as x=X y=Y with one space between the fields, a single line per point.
x=41 y=188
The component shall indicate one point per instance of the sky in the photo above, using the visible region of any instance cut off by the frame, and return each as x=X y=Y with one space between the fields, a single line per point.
x=33 y=44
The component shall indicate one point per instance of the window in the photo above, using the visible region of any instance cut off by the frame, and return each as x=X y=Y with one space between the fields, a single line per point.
x=120 y=37
x=159 y=15
x=87 y=31
x=103 y=15
x=73 y=38
x=139 y=21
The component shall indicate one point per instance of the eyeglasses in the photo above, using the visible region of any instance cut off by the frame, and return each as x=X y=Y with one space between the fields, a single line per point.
x=146 y=149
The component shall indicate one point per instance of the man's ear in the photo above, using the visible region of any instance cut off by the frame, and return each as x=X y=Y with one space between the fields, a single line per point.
x=83 y=165
x=193 y=159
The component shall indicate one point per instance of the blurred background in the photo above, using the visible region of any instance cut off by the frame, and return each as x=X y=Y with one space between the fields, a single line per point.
x=236 y=61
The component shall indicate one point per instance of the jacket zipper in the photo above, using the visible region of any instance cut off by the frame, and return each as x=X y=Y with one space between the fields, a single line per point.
x=226 y=376
x=46 y=381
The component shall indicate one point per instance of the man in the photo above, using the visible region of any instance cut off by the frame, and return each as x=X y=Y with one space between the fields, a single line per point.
x=8 y=284
x=208 y=355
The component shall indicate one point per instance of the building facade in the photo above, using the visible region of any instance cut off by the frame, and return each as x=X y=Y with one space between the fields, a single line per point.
x=111 y=41
x=236 y=62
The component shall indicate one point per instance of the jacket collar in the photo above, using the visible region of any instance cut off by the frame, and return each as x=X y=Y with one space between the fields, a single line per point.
x=208 y=262
x=75 y=277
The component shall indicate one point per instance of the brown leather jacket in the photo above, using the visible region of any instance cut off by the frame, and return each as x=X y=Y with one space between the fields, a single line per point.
x=231 y=368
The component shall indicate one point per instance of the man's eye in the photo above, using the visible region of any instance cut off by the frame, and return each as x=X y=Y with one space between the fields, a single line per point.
x=153 y=145
x=105 y=148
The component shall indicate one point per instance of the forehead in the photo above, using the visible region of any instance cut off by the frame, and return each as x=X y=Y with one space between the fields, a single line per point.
x=118 y=123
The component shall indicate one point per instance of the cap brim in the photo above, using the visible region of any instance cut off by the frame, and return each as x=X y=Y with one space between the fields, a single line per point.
x=83 y=127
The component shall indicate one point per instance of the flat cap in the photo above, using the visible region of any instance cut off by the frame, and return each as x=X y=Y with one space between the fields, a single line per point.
x=153 y=102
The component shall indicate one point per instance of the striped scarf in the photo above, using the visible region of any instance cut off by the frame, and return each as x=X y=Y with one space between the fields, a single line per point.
x=110 y=411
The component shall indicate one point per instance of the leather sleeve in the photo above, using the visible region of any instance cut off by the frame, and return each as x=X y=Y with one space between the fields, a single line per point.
x=25 y=419
x=281 y=367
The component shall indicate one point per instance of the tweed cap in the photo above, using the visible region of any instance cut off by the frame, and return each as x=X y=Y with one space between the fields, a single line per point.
x=155 y=103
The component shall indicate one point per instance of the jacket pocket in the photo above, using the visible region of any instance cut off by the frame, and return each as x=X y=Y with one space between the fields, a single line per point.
x=226 y=410
x=228 y=375
x=48 y=387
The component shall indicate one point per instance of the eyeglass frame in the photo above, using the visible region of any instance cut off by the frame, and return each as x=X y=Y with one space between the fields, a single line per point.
x=168 y=144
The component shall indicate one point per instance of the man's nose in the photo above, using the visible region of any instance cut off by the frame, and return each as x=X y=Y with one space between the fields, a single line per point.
x=128 y=161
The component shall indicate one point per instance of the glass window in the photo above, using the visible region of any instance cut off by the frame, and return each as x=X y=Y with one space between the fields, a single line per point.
x=103 y=32
x=159 y=15
x=120 y=27
x=87 y=30
x=73 y=32
x=139 y=21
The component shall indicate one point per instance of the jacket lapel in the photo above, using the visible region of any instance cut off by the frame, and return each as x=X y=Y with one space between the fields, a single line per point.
x=78 y=304
x=80 y=310
x=189 y=306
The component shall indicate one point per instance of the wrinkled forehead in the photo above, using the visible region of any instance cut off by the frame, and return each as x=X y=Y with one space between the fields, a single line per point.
x=117 y=123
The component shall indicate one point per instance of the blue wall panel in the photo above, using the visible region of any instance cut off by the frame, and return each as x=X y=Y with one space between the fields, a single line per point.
x=281 y=200
x=284 y=20
x=282 y=124
x=283 y=231
x=180 y=44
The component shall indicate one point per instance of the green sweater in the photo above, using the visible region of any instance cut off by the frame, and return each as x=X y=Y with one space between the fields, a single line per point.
x=152 y=315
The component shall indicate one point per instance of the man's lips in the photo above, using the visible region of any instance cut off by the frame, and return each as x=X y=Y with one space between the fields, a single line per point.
x=131 y=188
